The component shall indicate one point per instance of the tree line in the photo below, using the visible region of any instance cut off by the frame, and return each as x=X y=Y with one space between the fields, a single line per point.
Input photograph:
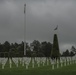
x=70 y=52
x=34 y=49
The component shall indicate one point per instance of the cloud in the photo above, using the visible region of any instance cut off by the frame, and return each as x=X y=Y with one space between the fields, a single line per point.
x=64 y=47
x=42 y=16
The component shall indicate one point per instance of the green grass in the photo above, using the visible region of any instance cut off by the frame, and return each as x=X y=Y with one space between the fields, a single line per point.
x=42 y=70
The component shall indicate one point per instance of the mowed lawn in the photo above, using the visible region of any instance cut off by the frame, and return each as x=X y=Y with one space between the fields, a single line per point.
x=46 y=70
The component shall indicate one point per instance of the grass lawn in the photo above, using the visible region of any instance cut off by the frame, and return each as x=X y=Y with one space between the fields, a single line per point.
x=46 y=70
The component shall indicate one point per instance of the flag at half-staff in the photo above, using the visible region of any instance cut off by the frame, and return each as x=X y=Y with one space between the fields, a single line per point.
x=56 y=28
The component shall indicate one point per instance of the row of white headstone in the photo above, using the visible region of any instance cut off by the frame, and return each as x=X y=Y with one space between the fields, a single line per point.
x=63 y=62
x=25 y=61
x=3 y=62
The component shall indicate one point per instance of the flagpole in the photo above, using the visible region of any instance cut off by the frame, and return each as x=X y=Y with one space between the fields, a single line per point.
x=24 y=29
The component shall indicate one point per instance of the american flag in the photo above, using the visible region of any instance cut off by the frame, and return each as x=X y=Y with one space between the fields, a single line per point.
x=56 y=28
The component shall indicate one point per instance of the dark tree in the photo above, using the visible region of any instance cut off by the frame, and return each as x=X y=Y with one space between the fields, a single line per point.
x=6 y=46
x=36 y=46
x=66 y=53
x=46 y=48
x=36 y=49
x=1 y=48
x=72 y=54
x=73 y=49
x=55 y=49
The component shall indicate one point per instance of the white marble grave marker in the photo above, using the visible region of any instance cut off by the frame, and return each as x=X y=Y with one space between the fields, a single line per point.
x=52 y=63
x=47 y=61
x=10 y=62
x=57 y=63
x=15 y=60
x=32 y=62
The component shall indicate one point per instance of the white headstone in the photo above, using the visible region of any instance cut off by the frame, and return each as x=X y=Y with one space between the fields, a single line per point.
x=15 y=60
x=4 y=60
x=47 y=61
x=32 y=62
x=10 y=62
x=65 y=62
x=52 y=63
x=57 y=63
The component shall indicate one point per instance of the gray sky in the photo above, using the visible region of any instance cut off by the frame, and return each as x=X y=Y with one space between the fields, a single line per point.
x=42 y=16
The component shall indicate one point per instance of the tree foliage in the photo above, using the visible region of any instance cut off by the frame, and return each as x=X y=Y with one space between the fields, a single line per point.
x=55 y=49
x=34 y=49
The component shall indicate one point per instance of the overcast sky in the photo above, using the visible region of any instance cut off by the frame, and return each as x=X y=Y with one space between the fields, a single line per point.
x=42 y=16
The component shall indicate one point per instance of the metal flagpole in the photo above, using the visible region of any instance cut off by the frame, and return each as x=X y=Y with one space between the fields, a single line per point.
x=24 y=29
